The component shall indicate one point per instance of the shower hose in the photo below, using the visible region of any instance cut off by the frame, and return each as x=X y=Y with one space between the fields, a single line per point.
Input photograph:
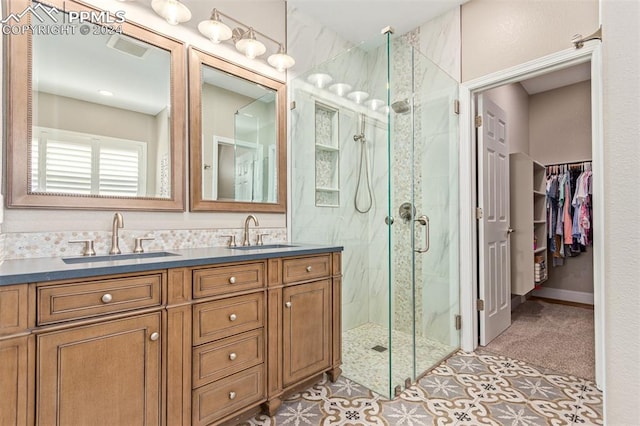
x=364 y=162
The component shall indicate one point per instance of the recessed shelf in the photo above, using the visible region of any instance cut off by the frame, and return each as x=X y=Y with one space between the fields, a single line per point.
x=322 y=147
x=327 y=156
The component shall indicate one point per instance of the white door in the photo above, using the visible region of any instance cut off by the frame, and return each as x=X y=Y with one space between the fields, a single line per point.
x=493 y=197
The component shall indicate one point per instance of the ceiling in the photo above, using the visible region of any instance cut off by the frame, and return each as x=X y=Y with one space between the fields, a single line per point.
x=556 y=79
x=358 y=21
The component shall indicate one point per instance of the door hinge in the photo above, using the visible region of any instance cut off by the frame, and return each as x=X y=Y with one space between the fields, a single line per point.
x=292 y=105
x=458 y=320
x=480 y=305
x=456 y=106
x=478 y=120
x=478 y=213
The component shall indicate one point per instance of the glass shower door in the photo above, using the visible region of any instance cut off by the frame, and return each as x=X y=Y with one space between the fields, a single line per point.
x=423 y=150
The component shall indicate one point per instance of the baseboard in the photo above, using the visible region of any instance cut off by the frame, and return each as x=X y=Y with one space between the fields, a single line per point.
x=567 y=295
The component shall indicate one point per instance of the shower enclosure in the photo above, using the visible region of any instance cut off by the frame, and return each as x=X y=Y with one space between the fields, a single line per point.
x=374 y=149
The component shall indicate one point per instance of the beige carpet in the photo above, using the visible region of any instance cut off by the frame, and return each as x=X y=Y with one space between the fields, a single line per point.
x=550 y=335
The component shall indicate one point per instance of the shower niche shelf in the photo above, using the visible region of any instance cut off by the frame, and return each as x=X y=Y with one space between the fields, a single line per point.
x=327 y=156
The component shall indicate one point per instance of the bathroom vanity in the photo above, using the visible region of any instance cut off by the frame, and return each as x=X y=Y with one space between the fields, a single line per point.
x=208 y=336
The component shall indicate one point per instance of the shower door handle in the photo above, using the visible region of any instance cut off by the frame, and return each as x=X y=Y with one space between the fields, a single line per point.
x=424 y=221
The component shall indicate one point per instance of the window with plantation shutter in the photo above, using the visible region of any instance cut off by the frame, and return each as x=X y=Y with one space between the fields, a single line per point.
x=71 y=162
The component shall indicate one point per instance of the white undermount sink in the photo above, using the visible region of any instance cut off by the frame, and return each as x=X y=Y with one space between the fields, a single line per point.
x=114 y=257
x=264 y=247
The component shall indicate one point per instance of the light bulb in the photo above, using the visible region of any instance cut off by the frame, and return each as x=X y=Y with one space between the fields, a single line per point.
x=281 y=61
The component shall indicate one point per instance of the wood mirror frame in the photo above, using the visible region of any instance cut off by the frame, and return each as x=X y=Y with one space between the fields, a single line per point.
x=198 y=58
x=18 y=63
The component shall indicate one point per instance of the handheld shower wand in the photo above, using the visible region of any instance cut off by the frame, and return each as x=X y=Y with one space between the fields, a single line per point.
x=364 y=164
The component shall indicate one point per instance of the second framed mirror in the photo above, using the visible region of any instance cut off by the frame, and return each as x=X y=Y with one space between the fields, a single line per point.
x=237 y=137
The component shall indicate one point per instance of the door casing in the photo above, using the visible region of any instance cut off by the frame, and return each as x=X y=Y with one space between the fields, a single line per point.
x=590 y=52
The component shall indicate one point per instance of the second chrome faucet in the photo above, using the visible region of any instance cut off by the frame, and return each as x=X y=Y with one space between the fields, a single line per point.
x=118 y=222
x=245 y=238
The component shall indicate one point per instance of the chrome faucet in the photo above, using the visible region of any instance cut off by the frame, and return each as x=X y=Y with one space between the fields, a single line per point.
x=245 y=239
x=118 y=222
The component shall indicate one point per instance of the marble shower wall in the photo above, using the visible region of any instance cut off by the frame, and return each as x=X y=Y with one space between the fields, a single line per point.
x=365 y=236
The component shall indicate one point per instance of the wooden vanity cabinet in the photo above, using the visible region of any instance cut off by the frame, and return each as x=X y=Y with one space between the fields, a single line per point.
x=205 y=345
x=108 y=373
x=99 y=345
x=304 y=322
x=15 y=343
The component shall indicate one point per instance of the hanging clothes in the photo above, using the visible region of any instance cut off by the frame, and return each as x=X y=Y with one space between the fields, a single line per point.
x=569 y=212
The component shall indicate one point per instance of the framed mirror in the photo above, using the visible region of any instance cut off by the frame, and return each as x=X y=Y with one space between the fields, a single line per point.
x=95 y=107
x=237 y=137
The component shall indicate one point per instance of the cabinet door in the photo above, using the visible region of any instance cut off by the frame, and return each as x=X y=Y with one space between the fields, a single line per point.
x=103 y=374
x=306 y=330
x=13 y=381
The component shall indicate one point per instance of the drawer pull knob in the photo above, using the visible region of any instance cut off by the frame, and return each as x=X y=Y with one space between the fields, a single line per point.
x=232 y=356
x=107 y=298
x=232 y=395
x=309 y=268
x=288 y=304
x=232 y=280
x=233 y=317
x=154 y=336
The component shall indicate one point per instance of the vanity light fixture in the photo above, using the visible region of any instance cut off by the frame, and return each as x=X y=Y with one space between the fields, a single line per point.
x=214 y=29
x=245 y=39
x=248 y=44
x=172 y=11
x=358 y=96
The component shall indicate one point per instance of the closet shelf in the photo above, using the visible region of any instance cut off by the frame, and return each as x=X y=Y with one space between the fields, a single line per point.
x=540 y=249
x=539 y=222
x=540 y=193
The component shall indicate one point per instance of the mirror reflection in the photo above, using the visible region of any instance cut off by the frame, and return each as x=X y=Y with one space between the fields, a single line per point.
x=101 y=116
x=239 y=139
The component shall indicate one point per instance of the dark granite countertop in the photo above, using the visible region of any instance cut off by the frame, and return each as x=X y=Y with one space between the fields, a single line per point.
x=48 y=269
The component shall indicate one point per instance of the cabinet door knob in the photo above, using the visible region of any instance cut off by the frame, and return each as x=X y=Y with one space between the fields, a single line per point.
x=154 y=336
x=288 y=304
x=107 y=298
x=232 y=280
x=232 y=356
x=233 y=317
x=309 y=268
x=232 y=395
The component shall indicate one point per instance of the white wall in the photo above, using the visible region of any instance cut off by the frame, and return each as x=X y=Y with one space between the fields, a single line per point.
x=560 y=124
x=621 y=57
x=514 y=100
x=498 y=34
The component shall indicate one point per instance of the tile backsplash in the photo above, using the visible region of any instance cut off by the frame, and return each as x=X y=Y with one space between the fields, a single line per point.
x=26 y=245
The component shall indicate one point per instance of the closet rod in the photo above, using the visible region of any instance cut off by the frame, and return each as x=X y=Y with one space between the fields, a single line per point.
x=570 y=163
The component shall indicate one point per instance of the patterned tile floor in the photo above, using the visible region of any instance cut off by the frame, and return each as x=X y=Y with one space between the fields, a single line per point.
x=465 y=389
x=371 y=368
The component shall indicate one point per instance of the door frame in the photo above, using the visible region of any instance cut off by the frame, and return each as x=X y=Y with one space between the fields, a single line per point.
x=590 y=52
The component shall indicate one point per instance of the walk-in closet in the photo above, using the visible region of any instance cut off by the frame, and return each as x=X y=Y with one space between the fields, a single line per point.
x=547 y=129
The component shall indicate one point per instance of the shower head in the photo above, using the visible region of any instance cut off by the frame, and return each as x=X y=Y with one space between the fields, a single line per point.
x=401 y=107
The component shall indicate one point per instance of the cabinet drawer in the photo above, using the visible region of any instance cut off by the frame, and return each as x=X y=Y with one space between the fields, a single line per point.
x=306 y=268
x=214 y=361
x=64 y=302
x=221 y=398
x=227 y=279
x=13 y=309
x=223 y=318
